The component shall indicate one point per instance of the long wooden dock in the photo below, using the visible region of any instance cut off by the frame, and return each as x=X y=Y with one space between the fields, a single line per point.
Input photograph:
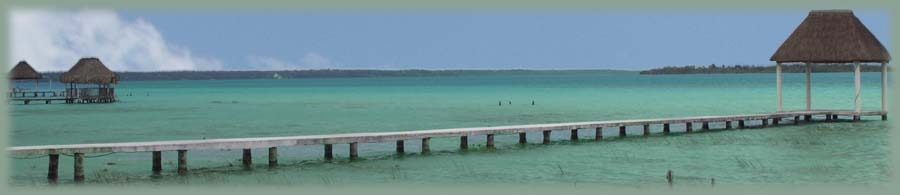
x=353 y=139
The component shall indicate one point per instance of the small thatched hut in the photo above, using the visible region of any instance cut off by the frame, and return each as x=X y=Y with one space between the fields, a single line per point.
x=832 y=36
x=81 y=78
x=23 y=71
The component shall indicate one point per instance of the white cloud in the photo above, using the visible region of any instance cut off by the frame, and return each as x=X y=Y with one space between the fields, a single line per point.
x=310 y=60
x=53 y=40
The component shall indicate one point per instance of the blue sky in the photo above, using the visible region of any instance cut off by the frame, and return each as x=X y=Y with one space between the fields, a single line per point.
x=631 y=40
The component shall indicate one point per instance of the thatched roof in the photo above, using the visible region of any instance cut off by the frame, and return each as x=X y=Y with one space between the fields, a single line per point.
x=23 y=71
x=89 y=70
x=831 y=36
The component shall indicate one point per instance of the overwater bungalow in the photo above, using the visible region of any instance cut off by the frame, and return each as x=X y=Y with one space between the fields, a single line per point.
x=89 y=81
x=22 y=72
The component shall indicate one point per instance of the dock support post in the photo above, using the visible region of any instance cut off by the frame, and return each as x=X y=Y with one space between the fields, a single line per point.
x=828 y=117
x=547 y=137
x=248 y=158
x=598 y=133
x=776 y=120
x=522 y=138
x=574 y=135
x=857 y=100
x=765 y=122
x=855 y=117
x=778 y=84
x=666 y=129
x=727 y=124
x=741 y=124
x=646 y=129
x=705 y=126
x=490 y=141
x=808 y=91
x=425 y=148
x=53 y=168
x=400 y=144
x=353 y=151
x=79 y=168
x=688 y=127
x=157 y=162
x=622 y=132
x=464 y=142
x=182 y=162
x=273 y=157
x=797 y=119
x=328 y=154
x=883 y=90
x=807 y=117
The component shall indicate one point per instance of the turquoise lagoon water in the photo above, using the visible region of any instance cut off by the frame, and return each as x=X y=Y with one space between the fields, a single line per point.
x=841 y=153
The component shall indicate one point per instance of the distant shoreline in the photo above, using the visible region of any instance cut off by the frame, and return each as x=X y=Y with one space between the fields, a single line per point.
x=744 y=69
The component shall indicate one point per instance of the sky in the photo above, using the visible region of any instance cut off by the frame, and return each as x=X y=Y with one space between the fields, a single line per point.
x=160 y=40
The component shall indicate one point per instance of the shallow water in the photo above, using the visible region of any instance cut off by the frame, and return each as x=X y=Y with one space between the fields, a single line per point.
x=843 y=152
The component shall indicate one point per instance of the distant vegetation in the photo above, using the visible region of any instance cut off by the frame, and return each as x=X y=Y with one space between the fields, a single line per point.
x=326 y=73
x=737 y=69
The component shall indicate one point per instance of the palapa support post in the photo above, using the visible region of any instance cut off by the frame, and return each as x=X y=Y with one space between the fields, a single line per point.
x=79 y=167
x=808 y=89
x=778 y=84
x=883 y=90
x=522 y=138
x=646 y=129
x=727 y=124
x=490 y=141
x=157 y=162
x=705 y=126
x=328 y=152
x=248 y=158
x=797 y=119
x=182 y=162
x=425 y=148
x=741 y=124
x=622 y=132
x=688 y=127
x=353 y=151
x=574 y=135
x=857 y=100
x=765 y=122
x=53 y=168
x=598 y=133
x=464 y=142
x=273 y=157
x=400 y=144
x=666 y=129
x=546 y=137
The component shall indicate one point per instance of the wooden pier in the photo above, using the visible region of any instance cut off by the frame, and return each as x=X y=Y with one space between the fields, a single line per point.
x=354 y=139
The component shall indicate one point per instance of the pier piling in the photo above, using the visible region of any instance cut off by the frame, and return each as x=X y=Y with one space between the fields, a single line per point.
x=598 y=133
x=157 y=162
x=622 y=132
x=796 y=120
x=855 y=118
x=807 y=117
x=328 y=152
x=574 y=135
x=688 y=127
x=79 y=167
x=182 y=162
x=727 y=124
x=646 y=129
x=666 y=129
x=464 y=142
x=776 y=120
x=425 y=148
x=546 y=137
x=273 y=157
x=522 y=138
x=705 y=126
x=765 y=122
x=247 y=160
x=400 y=144
x=353 y=151
x=741 y=124
x=53 y=168
x=490 y=141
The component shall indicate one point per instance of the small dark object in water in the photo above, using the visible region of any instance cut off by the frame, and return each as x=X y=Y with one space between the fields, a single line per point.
x=499 y=103
x=532 y=102
x=234 y=102
x=712 y=182
x=110 y=163
x=669 y=177
x=510 y=103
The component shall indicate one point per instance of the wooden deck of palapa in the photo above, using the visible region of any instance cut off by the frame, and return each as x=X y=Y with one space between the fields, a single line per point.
x=353 y=139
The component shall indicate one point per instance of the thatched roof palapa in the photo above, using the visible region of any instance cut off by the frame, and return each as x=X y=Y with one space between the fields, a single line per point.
x=831 y=36
x=89 y=70
x=23 y=71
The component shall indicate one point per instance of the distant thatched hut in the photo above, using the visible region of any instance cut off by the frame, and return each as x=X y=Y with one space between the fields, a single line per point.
x=832 y=36
x=23 y=71
x=81 y=78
